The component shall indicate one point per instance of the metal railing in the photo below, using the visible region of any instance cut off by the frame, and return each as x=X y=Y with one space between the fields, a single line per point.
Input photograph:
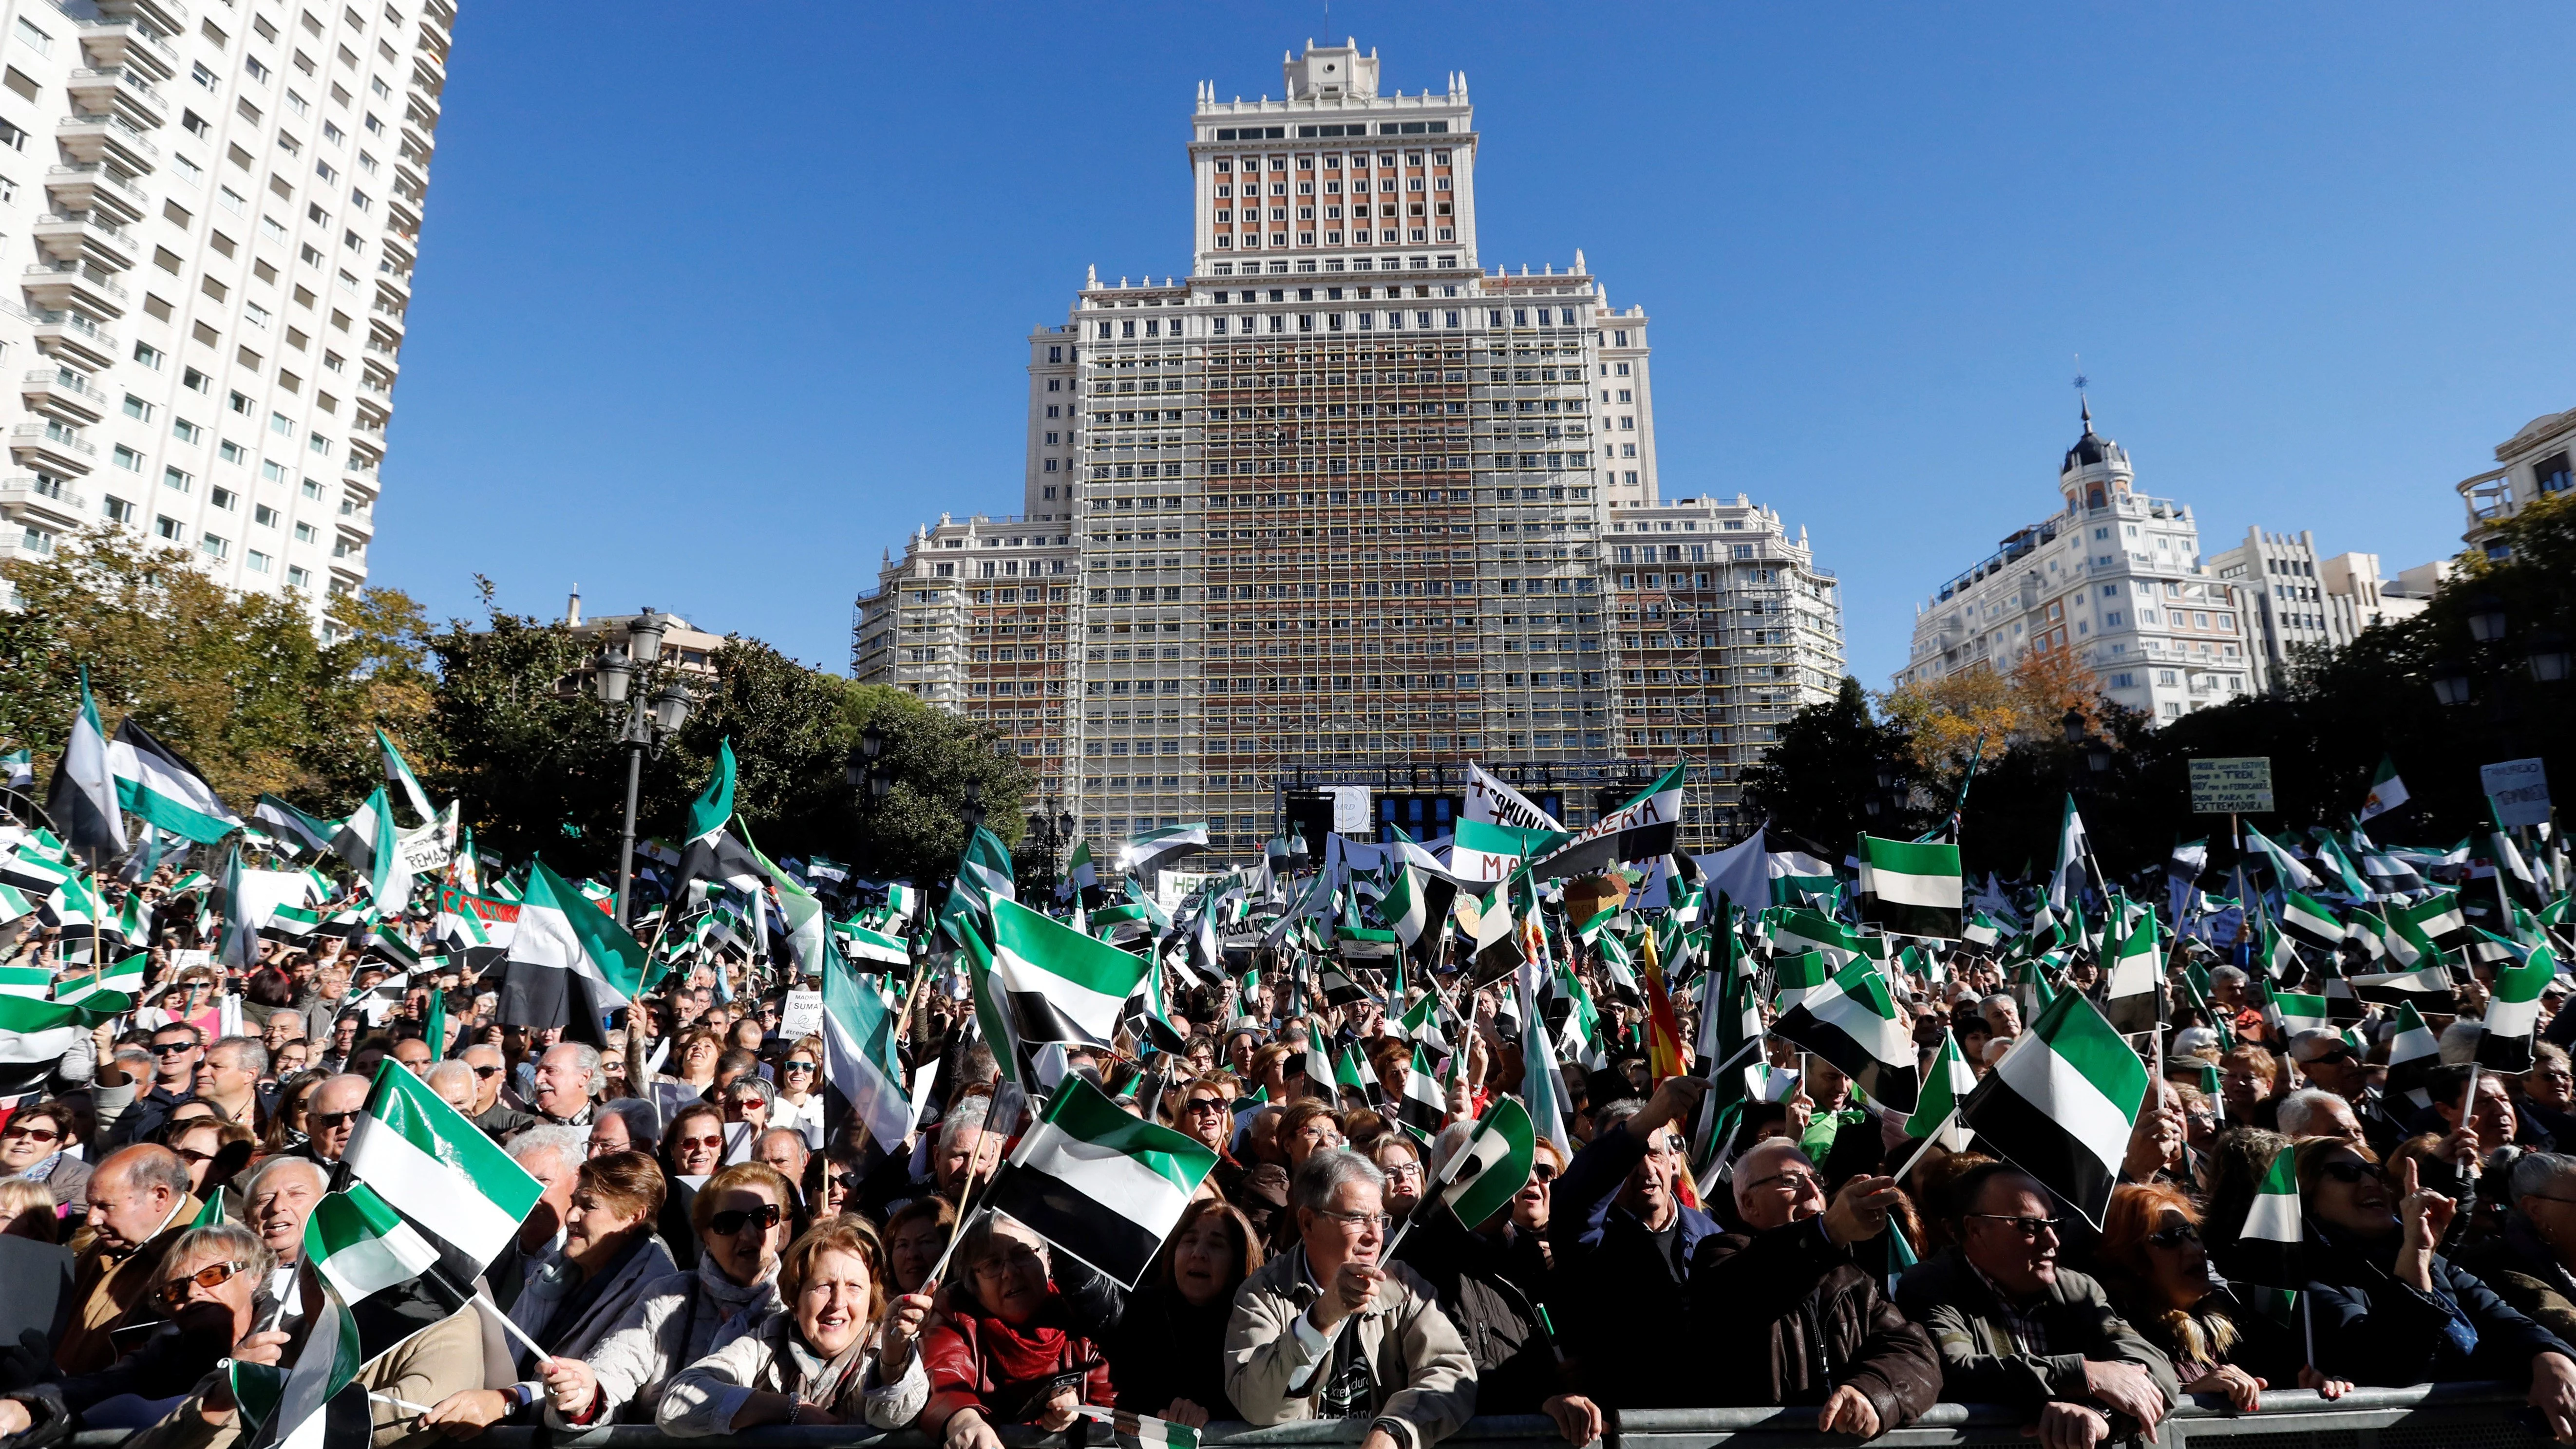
x=2451 y=1416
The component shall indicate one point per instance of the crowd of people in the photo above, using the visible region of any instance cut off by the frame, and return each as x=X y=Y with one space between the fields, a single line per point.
x=715 y=1251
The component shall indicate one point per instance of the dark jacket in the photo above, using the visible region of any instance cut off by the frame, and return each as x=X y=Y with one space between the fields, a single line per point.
x=501 y=1121
x=1162 y=1348
x=1983 y=1363
x=2375 y=1330
x=2526 y=1274
x=2262 y=1347
x=1491 y=1289
x=1793 y=1317
x=1622 y=1296
x=138 y=1122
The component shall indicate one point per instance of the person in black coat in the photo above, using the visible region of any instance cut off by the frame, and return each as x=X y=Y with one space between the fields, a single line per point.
x=2389 y=1310
x=1166 y=1345
x=1624 y=1244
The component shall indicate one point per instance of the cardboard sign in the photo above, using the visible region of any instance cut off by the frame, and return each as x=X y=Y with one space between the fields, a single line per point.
x=2232 y=785
x=800 y=1015
x=2520 y=790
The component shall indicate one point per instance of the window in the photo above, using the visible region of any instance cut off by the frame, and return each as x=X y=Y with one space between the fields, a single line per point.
x=304 y=533
x=117 y=509
x=264 y=516
x=312 y=488
x=299 y=578
x=128 y=459
x=148 y=355
x=33 y=38
x=255 y=561
x=173 y=478
x=232 y=452
x=225 y=499
x=169 y=528
x=257 y=70
x=213 y=546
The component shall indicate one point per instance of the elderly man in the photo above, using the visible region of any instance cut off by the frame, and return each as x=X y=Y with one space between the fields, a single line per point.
x=566 y=1084
x=2002 y=1014
x=553 y=1156
x=1793 y=1316
x=2312 y=1112
x=627 y=1124
x=139 y=1204
x=1623 y=1239
x=331 y=1118
x=2014 y=1328
x=1327 y=1331
x=453 y=1081
x=228 y=1079
x=2532 y=1263
x=498 y=1119
x=784 y=1149
x=2330 y=1063
x=414 y=1054
x=280 y=1197
x=284 y=1025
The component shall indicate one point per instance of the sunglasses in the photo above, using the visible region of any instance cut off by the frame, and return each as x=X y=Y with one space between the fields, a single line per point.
x=331 y=1121
x=2349 y=1170
x=1207 y=1104
x=1541 y=1172
x=800 y=1066
x=209 y=1277
x=172 y=1048
x=715 y=1141
x=846 y=1181
x=33 y=1134
x=727 y=1224
x=487 y=1071
x=2175 y=1236
x=2029 y=1228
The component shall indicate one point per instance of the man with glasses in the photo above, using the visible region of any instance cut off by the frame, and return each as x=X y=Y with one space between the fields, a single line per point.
x=1328 y=1331
x=1798 y=1317
x=498 y=1119
x=1624 y=1241
x=2014 y=1328
x=331 y=1118
x=2329 y=1062
x=175 y=1050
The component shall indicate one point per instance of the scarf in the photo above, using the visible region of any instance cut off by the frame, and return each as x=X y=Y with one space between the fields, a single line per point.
x=719 y=1302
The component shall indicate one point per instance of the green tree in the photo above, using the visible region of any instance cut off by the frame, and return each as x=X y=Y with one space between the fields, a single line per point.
x=1819 y=781
x=240 y=684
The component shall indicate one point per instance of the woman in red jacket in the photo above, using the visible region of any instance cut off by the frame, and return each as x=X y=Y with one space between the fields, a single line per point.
x=1009 y=1348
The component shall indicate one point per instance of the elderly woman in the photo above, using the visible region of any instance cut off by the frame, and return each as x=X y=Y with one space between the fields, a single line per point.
x=211 y=1291
x=742 y=1222
x=831 y=1352
x=1010 y=1348
x=579 y=1291
x=693 y=1072
x=2389 y=1310
x=1167 y=1353
x=2156 y=1269
x=915 y=1237
x=33 y=1149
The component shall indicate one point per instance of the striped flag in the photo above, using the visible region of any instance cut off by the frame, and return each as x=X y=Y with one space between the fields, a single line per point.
x=36 y=1035
x=1156 y=848
x=2310 y=920
x=291 y=1403
x=2413 y=1053
x=125 y=978
x=714 y=804
x=2131 y=1000
x=1402 y=907
x=1423 y=1106
x=2268 y=1244
x=361 y=1246
x=1911 y=888
x=1098 y=1183
x=569 y=964
x=427 y=1161
x=1851 y=1022
x=2060 y=1104
x=1794 y=977
x=2387 y=791
x=1495 y=1165
x=2428 y=984
x=2514 y=1013
x=164 y=789
x=2438 y=916
x=399 y=773
x=2292 y=1012
x=81 y=800
x=1081 y=873
x=1143 y=1431
x=1936 y=1108
x=2074 y=849
x=860 y=1059
x=1645 y=828
x=1058 y=984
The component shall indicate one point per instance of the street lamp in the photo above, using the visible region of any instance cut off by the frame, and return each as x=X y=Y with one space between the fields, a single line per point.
x=2549 y=661
x=862 y=768
x=649 y=718
x=2486 y=619
x=974 y=806
x=2450 y=684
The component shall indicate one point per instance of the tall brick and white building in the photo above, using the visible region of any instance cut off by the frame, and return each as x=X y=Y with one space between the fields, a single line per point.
x=2114 y=576
x=210 y=212
x=1341 y=505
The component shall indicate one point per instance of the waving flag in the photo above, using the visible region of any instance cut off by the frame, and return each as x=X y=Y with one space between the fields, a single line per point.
x=1851 y=1022
x=82 y=800
x=2132 y=1002
x=1936 y=1109
x=1058 y=984
x=2514 y=1015
x=1911 y=888
x=1494 y=1166
x=290 y=1404
x=362 y=1247
x=1157 y=848
x=860 y=1059
x=714 y=804
x=2061 y=1102
x=2074 y=850
x=165 y=790
x=399 y=773
x=2387 y=792
x=426 y=1160
x=568 y=964
x=1098 y=1183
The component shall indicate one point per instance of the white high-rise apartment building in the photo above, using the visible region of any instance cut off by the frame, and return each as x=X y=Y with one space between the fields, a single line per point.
x=2300 y=601
x=1335 y=508
x=2117 y=578
x=210 y=211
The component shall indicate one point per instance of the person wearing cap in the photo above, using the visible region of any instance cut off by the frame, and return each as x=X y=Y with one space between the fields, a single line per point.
x=2329 y=1062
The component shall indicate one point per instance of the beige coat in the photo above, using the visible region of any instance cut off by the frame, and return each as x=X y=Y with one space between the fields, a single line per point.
x=105 y=1291
x=1422 y=1375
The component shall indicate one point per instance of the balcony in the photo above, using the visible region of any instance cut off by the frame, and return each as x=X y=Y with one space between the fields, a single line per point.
x=59 y=392
x=52 y=444
x=122 y=90
x=360 y=525
x=87 y=237
x=109 y=136
x=89 y=185
x=129 y=42
x=58 y=284
x=71 y=335
x=46 y=498
x=167 y=16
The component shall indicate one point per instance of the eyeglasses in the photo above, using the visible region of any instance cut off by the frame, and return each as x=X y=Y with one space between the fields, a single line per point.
x=209 y=1277
x=172 y=1048
x=1358 y=1220
x=726 y=1224
x=2029 y=1228
x=192 y=1156
x=330 y=1121
x=1793 y=1181
x=32 y=1134
x=2349 y=1170
x=2175 y=1236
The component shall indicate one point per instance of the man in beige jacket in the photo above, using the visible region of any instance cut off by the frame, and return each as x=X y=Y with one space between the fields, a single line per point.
x=1328 y=1331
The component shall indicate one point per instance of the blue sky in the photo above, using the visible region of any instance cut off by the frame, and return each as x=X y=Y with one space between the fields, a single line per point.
x=716 y=303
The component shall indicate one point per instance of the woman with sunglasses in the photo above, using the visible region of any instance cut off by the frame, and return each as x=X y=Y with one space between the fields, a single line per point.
x=32 y=1150
x=211 y=1293
x=2156 y=1269
x=2389 y=1309
x=799 y=1101
x=692 y=1152
x=834 y=1351
x=742 y=1223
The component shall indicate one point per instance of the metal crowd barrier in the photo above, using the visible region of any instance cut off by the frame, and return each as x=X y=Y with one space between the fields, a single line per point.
x=2426 y=1416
